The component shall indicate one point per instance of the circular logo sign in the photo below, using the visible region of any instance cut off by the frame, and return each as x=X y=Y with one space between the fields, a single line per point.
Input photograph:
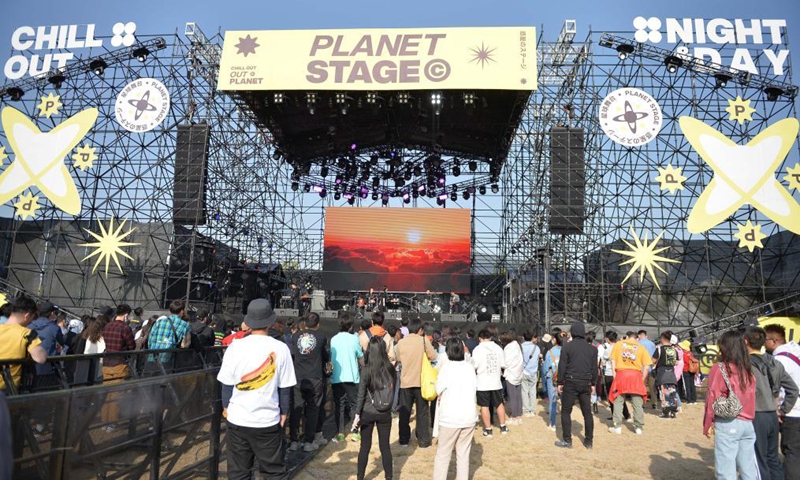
x=142 y=105
x=630 y=117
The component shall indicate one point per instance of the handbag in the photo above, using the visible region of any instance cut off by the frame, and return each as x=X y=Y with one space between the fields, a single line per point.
x=428 y=376
x=728 y=406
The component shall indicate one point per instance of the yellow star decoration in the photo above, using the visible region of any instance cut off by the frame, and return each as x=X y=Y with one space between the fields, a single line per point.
x=3 y=299
x=108 y=245
x=793 y=177
x=644 y=257
x=26 y=206
x=670 y=178
x=85 y=157
x=740 y=110
x=49 y=105
x=3 y=155
x=750 y=236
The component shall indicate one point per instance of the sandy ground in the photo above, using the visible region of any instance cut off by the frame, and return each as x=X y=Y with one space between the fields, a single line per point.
x=669 y=449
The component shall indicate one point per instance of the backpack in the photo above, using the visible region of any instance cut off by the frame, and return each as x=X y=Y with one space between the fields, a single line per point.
x=555 y=365
x=383 y=398
x=694 y=365
x=670 y=356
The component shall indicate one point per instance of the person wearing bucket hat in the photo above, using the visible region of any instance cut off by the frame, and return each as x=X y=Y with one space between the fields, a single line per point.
x=257 y=376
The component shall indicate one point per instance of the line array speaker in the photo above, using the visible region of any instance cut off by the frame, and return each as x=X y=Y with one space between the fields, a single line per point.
x=567 y=180
x=191 y=163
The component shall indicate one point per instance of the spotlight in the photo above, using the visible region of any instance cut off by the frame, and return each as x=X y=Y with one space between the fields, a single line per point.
x=469 y=99
x=374 y=196
x=483 y=309
x=456 y=169
x=15 y=93
x=307 y=187
x=441 y=180
x=495 y=188
x=295 y=186
x=721 y=80
x=421 y=189
x=376 y=182
x=403 y=97
x=322 y=192
x=385 y=199
x=337 y=196
x=57 y=79
x=673 y=63
x=277 y=154
x=277 y=97
x=406 y=200
x=339 y=179
x=624 y=50
x=353 y=147
x=348 y=195
x=364 y=192
x=436 y=102
x=372 y=98
x=141 y=54
x=443 y=195
x=351 y=200
x=773 y=93
x=465 y=195
x=482 y=189
x=454 y=195
x=473 y=165
x=311 y=102
x=217 y=216
x=341 y=98
x=98 y=66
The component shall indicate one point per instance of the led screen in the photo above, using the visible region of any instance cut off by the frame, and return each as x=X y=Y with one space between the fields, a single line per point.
x=404 y=249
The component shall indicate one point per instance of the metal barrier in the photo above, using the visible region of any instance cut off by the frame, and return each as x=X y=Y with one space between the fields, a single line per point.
x=165 y=422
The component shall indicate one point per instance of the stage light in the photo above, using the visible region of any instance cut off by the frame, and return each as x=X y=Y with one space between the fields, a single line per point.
x=57 y=79
x=454 y=195
x=295 y=186
x=277 y=154
x=372 y=98
x=406 y=200
x=436 y=101
x=374 y=196
x=341 y=98
x=469 y=99
x=441 y=180
x=348 y=195
x=351 y=200
x=721 y=80
x=417 y=171
x=443 y=195
x=773 y=93
x=364 y=191
x=473 y=165
x=217 y=216
x=337 y=196
x=277 y=97
x=399 y=182
x=407 y=175
x=482 y=189
x=311 y=102
x=624 y=50
x=385 y=199
x=339 y=179
x=323 y=171
x=483 y=309
x=98 y=66
x=141 y=54
x=322 y=192
x=403 y=97
x=495 y=188
x=307 y=187
x=353 y=147
x=406 y=195
x=673 y=63
x=15 y=93
x=421 y=189
x=465 y=195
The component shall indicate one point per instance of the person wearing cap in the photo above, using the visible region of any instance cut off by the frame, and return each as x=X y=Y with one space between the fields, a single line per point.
x=202 y=334
x=577 y=377
x=257 y=375
x=52 y=340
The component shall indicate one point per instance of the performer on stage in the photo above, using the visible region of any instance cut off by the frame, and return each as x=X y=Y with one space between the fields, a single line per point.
x=454 y=299
x=296 y=298
x=384 y=298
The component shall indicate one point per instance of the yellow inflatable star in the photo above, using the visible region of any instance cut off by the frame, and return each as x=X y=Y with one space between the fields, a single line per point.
x=108 y=245
x=670 y=178
x=743 y=174
x=40 y=156
x=750 y=236
x=49 y=105
x=85 y=157
x=644 y=257
x=26 y=206
x=740 y=110
x=793 y=177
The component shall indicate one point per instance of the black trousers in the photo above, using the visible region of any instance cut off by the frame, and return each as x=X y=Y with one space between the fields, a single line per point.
x=368 y=423
x=582 y=391
x=344 y=399
x=687 y=388
x=766 y=426
x=265 y=444
x=408 y=398
x=608 y=380
x=307 y=401
x=790 y=446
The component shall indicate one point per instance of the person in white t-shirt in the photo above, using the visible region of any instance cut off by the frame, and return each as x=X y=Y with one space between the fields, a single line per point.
x=257 y=376
x=487 y=358
x=456 y=386
x=512 y=359
x=788 y=353
x=607 y=368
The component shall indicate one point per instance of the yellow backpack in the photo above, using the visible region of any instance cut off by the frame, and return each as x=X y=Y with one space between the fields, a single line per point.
x=428 y=376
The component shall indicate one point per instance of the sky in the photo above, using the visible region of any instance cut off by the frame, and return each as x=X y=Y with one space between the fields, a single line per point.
x=165 y=16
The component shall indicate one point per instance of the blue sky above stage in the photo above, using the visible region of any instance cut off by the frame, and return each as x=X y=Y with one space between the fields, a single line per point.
x=162 y=16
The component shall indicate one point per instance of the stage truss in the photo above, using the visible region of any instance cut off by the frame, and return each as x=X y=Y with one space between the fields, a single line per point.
x=255 y=217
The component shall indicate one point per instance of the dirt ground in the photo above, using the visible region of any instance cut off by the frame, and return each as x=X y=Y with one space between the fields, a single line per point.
x=668 y=449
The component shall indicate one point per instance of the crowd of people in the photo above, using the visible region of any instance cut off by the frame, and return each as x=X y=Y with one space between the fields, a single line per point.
x=276 y=375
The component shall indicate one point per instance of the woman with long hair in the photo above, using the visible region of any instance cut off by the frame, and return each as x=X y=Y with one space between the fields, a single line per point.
x=512 y=359
x=550 y=366
x=374 y=405
x=734 y=436
x=457 y=386
x=94 y=343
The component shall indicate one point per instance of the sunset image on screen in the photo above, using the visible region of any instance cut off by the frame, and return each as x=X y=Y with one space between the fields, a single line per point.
x=403 y=249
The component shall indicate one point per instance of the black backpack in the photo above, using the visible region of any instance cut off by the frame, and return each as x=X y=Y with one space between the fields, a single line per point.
x=383 y=398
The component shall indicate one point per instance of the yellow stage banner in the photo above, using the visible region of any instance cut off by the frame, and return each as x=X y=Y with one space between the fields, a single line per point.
x=482 y=58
